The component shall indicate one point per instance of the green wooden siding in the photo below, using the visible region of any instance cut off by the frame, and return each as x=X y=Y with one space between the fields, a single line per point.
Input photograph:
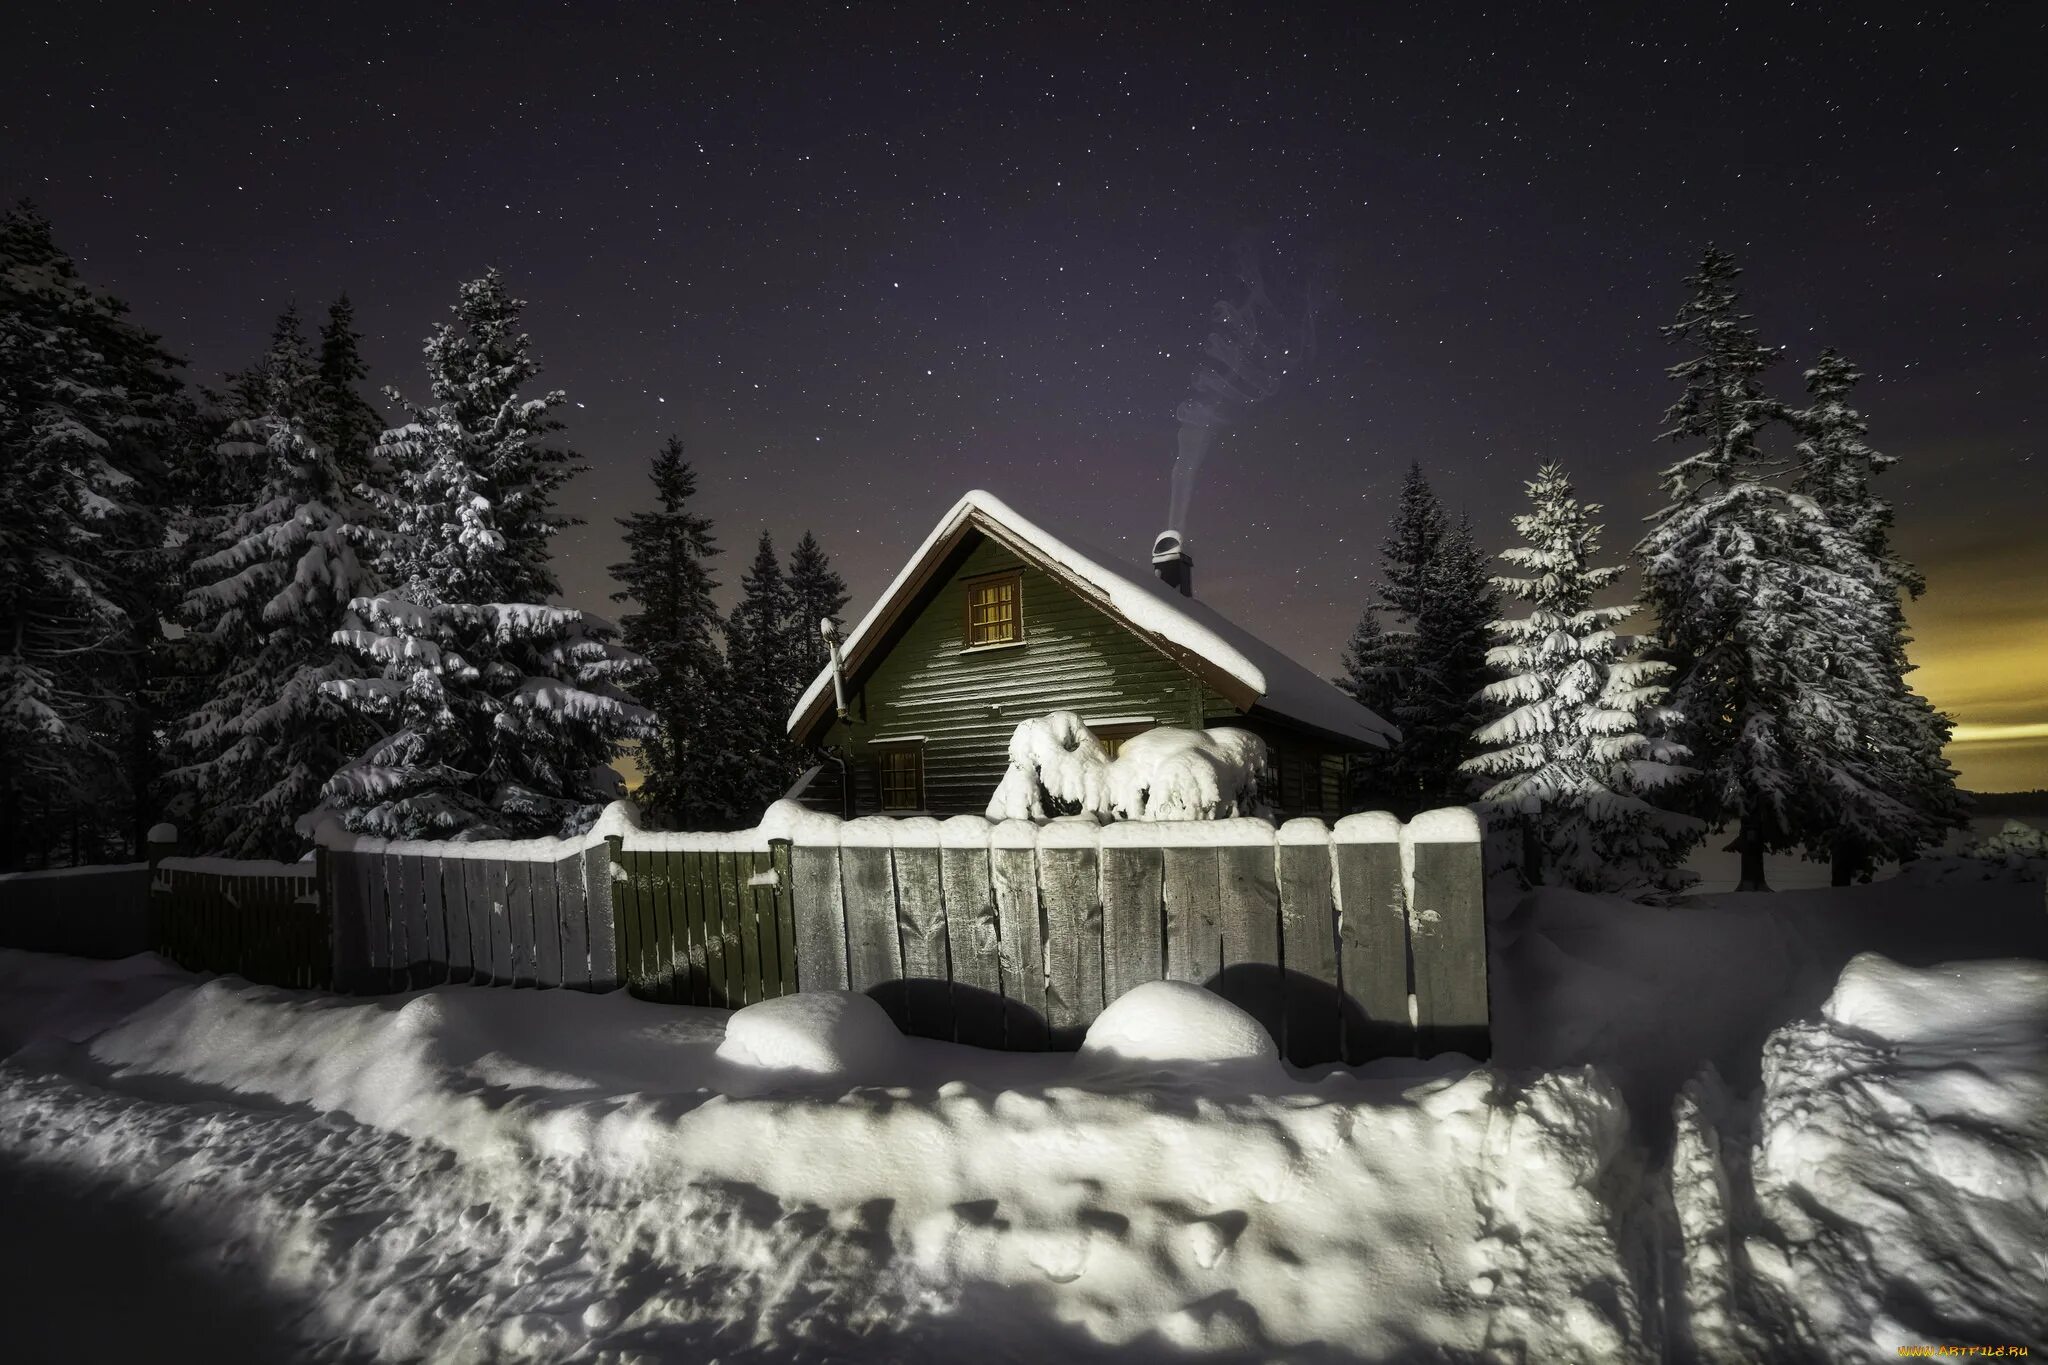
x=966 y=703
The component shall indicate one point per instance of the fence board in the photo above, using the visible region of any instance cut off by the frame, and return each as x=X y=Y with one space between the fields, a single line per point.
x=1249 y=895
x=728 y=962
x=520 y=918
x=869 y=894
x=660 y=917
x=785 y=918
x=547 y=924
x=695 y=986
x=1133 y=918
x=820 y=917
x=408 y=919
x=921 y=921
x=1372 y=948
x=1020 y=928
x=1072 y=901
x=1192 y=898
x=435 y=917
x=485 y=964
x=636 y=928
x=341 y=892
x=572 y=913
x=974 y=945
x=766 y=926
x=1308 y=950
x=601 y=888
x=1447 y=932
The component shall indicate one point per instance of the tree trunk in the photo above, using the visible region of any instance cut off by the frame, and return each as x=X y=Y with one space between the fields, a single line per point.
x=1846 y=864
x=1751 y=843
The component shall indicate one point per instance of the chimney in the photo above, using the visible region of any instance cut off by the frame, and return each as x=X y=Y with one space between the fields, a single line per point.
x=1175 y=569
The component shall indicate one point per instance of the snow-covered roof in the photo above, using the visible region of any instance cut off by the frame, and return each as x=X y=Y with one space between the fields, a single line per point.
x=1276 y=683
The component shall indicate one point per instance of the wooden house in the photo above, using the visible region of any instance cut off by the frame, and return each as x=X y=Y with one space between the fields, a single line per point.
x=995 y=619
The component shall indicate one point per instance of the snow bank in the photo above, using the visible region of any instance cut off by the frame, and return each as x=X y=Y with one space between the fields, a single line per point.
x=1172 y=1021
x=818 y=1033
x=627 y=1174
x=1901 y=1172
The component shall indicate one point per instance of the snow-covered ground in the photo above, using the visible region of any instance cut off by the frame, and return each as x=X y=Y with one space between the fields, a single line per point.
x=476 y=1174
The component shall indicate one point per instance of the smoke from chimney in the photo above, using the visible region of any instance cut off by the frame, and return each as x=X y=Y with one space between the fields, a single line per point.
x=1252 y=348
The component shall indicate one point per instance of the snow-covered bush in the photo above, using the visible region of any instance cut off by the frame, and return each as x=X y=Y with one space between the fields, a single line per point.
x=819 y=1033
x=1057 y=766
x=1176 y=1021
x=2018 y=840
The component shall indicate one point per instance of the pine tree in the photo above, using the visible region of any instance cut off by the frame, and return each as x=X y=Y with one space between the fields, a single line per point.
x=816 y=593
x=1574 y=765
x=91 y=414
x=758 y=693
x=1836 y=466
x=499 y=715
x=477 y=460
x=266 y=600
x=1710 y=554
x=667 y=573
x=342 y=422
x=1418 y=654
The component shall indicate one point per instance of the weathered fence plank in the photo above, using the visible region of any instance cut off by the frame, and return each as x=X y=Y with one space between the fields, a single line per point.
x=1070 y=887
x=785 y=917
x=671 y=928
x=820 y=917
x=921 y=921
x=1447 y=932
x=762 y=884
x=1308 y=943
x=1020 y=928
x=1133 y=912
x=700 y=909
x=601 y=869
x=973 y=943
x=869 y=894
x=547 y=924
x=1192 y=897
x=729 y=956
x=1250 y=900
x=572 y=898
x=1372 y=946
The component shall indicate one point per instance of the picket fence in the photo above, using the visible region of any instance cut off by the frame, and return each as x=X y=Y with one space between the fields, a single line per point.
x=1361 y=940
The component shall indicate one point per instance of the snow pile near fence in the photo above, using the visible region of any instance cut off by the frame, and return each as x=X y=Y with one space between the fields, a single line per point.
x=1902 y=1170
x=1165 y=773
x=623 y=1174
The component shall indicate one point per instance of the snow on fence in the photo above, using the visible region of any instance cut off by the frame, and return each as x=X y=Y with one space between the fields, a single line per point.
x=84 y=911
x=1365 y=940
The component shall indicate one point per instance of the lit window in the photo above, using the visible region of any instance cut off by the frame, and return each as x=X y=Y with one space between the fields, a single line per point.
x=1113 y=736
x=903 y=778
x=995 y=610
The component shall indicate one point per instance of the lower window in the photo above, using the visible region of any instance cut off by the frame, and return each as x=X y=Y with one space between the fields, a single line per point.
x=903 y=777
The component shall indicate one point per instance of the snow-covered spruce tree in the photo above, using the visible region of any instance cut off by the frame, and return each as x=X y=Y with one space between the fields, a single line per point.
x=816 y=593
x=499 y=715
x=1836 y=465
x=343 y=422
x=1573 y=768
x=266 y=600
x=759 y=691
x=1418 y=653
x=667 y=574
x=91 y=411
x=1702 y=559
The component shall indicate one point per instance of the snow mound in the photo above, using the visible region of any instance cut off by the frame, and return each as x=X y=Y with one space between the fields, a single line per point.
x=1166 y=773
x=820 y=1033
x=1176 y=1021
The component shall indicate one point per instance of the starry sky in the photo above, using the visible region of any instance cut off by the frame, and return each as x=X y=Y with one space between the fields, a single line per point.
x=863 y=258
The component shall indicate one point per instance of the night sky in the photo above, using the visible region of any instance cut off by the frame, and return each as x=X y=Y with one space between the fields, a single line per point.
x=864 y=259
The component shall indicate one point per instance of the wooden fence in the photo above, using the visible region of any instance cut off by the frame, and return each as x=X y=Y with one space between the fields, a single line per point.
x=260 y=921
x=1358 y=941
x=1363 y=941
x=83 y=911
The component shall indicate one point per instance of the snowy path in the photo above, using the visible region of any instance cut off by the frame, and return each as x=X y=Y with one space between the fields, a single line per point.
x=484 y=1175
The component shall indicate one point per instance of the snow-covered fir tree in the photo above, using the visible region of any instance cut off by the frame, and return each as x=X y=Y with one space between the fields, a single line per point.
x=1572 y=768
x=685 y=765
x=499 y=715
x=816 y=593
x=1418 y=654
x=266 y=600
x=91 y=415
x=1835 y=469
x=344 y=422
x=759 y=691
x=1771 y=615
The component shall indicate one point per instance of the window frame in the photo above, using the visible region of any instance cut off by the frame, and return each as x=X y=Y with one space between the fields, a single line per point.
x=972 y=586
x=884 y=751
x=1112 y=736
